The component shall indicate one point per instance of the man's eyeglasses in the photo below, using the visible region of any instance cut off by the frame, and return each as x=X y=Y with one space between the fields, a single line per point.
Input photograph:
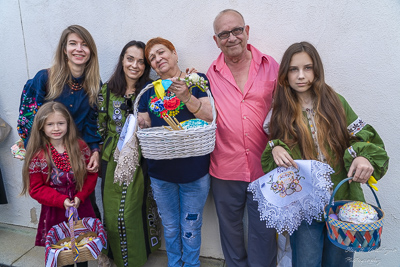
x=225 y=34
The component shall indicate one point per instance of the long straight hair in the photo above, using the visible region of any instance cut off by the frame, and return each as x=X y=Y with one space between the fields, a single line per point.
x=117 y=83
x=39 y=142
x=288 y=122
x=60 y=72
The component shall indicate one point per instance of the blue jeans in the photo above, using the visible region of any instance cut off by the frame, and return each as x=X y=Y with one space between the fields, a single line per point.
x=311 y=248
x=180 y=207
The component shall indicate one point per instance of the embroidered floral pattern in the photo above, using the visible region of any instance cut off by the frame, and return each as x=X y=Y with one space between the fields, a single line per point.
x=38 y=165
x=287 y=213
x=311 y=122
x=170 y=105
x=356 y=126
x=287 y=183
x=27 y=113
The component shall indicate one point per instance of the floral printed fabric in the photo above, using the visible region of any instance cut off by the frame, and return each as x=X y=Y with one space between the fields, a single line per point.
x=169 y=105
x=27 y=111
x=287 y=196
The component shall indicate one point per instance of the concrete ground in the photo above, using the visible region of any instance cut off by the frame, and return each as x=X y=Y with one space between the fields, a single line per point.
x=17 y=249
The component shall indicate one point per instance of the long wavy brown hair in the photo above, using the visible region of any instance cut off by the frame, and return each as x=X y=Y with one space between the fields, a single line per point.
x=289 y=124
x=60 y=73
x=39 y=141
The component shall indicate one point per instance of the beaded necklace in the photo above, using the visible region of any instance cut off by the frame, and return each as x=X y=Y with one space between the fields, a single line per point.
x=60 y=160
x=75 y=86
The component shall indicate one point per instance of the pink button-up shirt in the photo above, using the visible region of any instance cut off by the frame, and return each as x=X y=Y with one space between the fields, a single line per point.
x=240 y=138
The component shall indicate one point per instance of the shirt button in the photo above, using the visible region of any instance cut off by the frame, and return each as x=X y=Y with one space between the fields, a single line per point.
x=70 y=105
x=72 y=93
x=242 y=100
x=247 y=150
x=246 y=134
x=244 y=117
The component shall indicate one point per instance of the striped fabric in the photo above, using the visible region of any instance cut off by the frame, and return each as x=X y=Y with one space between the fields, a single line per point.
x=61 y=231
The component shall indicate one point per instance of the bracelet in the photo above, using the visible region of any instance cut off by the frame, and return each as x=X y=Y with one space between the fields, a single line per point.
x=190 y=96
x=194 y=113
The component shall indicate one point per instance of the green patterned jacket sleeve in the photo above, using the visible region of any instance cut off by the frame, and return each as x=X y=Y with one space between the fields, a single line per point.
x=367 y=143
x=267 y=160
x=102 y=120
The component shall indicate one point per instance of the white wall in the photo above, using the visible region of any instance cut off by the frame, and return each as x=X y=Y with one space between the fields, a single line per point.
x=359 y=42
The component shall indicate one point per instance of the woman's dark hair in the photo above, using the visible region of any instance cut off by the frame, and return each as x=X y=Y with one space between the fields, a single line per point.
x=117 y=83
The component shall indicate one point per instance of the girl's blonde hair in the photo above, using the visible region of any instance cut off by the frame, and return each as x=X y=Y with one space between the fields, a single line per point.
x=288 y=123
x=39 y=142
x=60 y=73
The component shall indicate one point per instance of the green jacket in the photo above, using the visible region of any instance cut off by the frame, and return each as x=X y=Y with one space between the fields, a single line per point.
x=367 y=144
x=111 y=121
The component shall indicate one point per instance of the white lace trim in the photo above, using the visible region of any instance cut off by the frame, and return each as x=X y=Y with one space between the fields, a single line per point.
x=289 y=217
x=128 y=156
x=356 y=126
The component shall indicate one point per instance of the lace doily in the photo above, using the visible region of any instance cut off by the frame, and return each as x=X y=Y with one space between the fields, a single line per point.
x=126 y=153
x=287 y=196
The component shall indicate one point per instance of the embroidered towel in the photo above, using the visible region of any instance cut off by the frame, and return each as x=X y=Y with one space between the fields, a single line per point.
x=287 y=196
x=126 y=152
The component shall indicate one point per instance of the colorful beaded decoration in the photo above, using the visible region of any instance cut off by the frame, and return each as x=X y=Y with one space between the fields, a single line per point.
x=61 y=160
x=75 y=86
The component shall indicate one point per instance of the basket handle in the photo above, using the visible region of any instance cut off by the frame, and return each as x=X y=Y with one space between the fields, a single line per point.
x=150 y=85
x=72 y=217
x=337 y=188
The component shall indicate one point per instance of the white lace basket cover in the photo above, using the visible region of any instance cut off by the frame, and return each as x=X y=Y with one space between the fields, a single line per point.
x=287 y=196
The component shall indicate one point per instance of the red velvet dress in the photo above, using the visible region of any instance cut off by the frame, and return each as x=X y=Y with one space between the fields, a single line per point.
x=51 y=194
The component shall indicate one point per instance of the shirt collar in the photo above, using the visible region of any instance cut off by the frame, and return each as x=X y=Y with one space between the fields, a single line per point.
x=257 y=57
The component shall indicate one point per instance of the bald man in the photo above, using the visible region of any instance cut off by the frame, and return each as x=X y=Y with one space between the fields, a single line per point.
x=242 y=81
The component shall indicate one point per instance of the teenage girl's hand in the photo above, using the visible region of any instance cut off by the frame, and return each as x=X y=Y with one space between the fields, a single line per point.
x=94 y=162
x=77 y=202
x=68 y=203
x=360 y=169
x=282 y=157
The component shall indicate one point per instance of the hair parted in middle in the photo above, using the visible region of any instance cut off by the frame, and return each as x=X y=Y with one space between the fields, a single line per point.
x=60 y=74
x=39 y=141
x=154 y=41
x=288 y=123
x=117 y=83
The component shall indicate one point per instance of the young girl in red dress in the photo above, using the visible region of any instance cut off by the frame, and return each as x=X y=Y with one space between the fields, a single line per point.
x=54 y=171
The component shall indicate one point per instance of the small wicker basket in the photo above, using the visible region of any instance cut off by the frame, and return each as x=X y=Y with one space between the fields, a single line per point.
x=159 y=143
x=78 y=230
x=349 y=236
